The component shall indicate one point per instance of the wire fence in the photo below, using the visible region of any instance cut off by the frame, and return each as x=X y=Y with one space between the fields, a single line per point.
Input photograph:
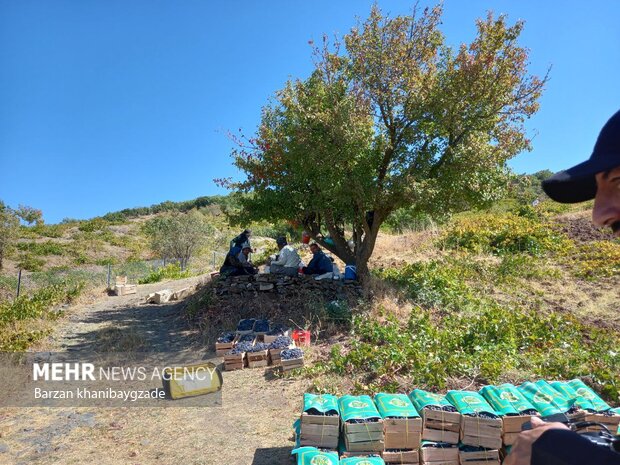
x=23 y=282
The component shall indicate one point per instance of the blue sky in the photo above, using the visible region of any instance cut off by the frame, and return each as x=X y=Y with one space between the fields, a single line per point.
x=111 y=104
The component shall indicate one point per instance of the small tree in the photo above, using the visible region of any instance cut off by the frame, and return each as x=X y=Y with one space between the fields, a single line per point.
x=178 y=236
x=30 y=215
x=9 y=229
x=396 y=119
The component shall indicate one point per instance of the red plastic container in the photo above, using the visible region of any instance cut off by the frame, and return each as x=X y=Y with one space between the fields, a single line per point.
x=305 y=237
x=301 y=337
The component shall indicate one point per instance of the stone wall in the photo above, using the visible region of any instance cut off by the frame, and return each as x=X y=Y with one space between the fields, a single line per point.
x=287 y=287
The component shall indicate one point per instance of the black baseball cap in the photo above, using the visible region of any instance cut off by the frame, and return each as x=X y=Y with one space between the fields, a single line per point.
x=578 y=184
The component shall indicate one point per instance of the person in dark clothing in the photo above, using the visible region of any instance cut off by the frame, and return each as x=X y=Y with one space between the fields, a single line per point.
x=320 y=263
x=233 y=266
x=556 y=444
x=597 y=178
x=242 y=239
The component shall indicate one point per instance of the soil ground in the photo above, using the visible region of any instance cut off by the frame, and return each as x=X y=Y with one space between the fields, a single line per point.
x=252 y=427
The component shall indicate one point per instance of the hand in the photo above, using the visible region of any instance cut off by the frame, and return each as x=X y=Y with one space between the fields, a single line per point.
x=521 y=453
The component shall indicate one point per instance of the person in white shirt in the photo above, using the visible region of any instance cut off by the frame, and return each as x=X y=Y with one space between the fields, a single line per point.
x=287 y=262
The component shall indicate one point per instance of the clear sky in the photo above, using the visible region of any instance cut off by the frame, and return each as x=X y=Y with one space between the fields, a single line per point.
x=109 y=104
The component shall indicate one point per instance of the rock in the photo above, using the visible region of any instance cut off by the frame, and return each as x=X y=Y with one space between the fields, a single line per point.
x=266 y=287
x=162 y=296
x=181 y=293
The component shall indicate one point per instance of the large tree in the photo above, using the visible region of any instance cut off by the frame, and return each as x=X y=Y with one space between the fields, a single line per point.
x=178 y=236
x=393 y=118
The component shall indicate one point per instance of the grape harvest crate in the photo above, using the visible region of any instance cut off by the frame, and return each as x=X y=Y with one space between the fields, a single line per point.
x=320 y=431
x=221 y=348
x=481 y=432
x=363 y=437
x=274 y=355
x=402 y=433
x=404 y=457
x=288 y=365
x=440 y=426
x=239 y=337
x=479 y=457
x=257 y=359
x=234 y=361
x=269 y=338
x=512 y=426
x=610 y=421
x=446 y=454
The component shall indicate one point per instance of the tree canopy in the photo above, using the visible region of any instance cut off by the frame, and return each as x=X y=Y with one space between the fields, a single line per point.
x=391 y=117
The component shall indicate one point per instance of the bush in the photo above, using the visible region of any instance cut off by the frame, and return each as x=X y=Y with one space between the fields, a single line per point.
x=501 y=234
x=433 y=284
x=19 y=318
x=42 y=248
x=29 y=262
x=170 y=271
x=408 y=219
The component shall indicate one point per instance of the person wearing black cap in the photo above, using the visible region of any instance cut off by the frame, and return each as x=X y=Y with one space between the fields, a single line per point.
x=597 y=178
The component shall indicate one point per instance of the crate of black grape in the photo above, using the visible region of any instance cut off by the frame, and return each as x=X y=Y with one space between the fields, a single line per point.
x=248 y=338
x=362 y=425
x=593 y=408
x=291 y=359
x=224 y=343
x=401 y=422
x=235 y=359
x=480 y=425
x=261 y=327
x=441 y=422
x=246 y=326
x=439 y=453
x=401 y=456
x=276 y=331
x=469 y=455
x=276 y=347
x=512 y=406
x=320 y=421
x=257 y=356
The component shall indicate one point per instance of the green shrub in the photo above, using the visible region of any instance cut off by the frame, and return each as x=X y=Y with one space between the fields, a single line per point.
x=170 y=271
x=339 y=312
x=42 y=248
x=95 y=224
x=408 y=219
x=20 y=319
x=495 y=345
x=435 y=283
x=30 y=262
x=500 y=234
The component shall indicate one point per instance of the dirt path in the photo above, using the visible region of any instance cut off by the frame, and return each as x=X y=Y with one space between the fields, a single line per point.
x=253 y=427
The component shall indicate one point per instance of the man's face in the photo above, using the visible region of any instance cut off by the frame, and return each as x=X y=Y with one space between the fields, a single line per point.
x=314 y=249
x=606 y=210
x=246 y=252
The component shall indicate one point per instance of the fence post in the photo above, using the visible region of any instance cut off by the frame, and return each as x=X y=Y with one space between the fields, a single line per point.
x=19 y=281
x=109 y=274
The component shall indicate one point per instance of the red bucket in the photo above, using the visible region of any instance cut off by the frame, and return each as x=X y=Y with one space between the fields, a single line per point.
x=305 y=237
x=301 y=337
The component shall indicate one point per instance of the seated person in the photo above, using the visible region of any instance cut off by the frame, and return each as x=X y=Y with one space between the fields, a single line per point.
x=244 y=258
x=320 y=263
x=232 y=266
x=288 y=260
